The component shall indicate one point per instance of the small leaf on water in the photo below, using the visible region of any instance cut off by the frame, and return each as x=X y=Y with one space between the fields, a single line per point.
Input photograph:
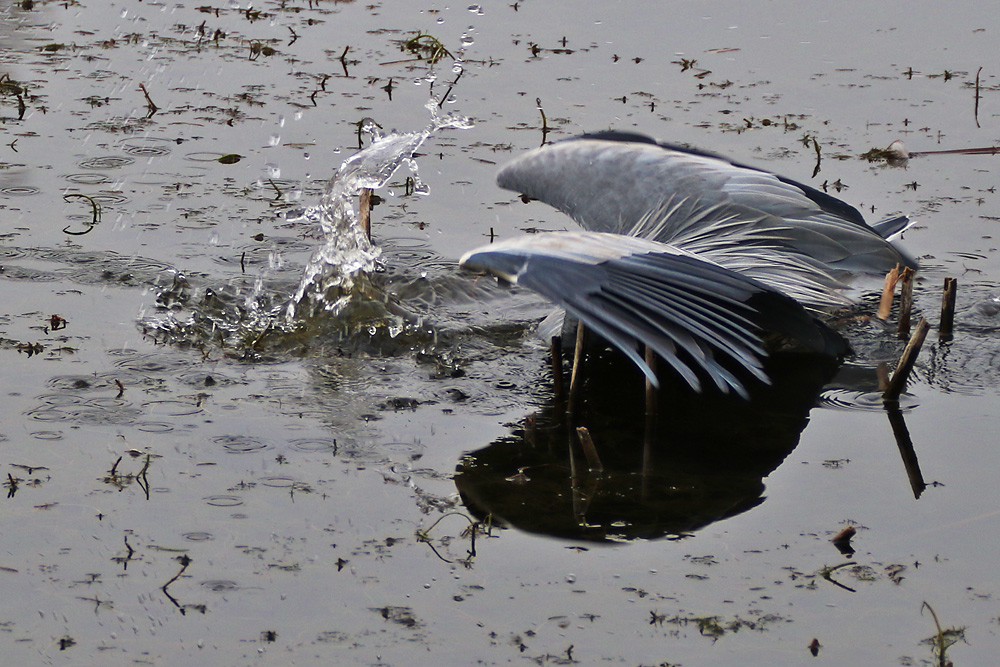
x=230 y=158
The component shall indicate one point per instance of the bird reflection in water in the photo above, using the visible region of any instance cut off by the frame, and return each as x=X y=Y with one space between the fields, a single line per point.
x=692 y=470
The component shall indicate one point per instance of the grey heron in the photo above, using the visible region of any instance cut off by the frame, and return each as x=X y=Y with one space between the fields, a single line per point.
x=686 y=252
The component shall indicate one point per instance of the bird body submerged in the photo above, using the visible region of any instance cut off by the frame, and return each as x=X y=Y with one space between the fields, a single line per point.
x=685 y=252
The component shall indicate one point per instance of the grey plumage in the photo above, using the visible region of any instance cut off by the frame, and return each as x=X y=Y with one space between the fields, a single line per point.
x=684 y=251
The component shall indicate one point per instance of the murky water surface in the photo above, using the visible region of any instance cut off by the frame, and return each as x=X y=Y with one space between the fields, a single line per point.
x=195 y=478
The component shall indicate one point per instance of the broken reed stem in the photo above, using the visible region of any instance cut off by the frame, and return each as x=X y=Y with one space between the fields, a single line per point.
x=365 y=212
x=575 y=377
x=975 y=110
x=905 y=303
x=882 y=375
x=589 y=450
x=149 y=100
x=888 y=290
x=948 y=308
x=906 y=361
x=545 y=121
x=531 y=429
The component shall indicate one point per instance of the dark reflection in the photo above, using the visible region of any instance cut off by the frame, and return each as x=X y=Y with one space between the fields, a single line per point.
x=705 y=460
x=906 y=451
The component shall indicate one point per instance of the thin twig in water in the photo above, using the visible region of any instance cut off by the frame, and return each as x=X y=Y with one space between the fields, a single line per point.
x=149 y=100
x=888 y=292
x=944 y=639
x=984 y=150
x=906 y=362
x=545 y=121
x=576 y=375
x=905 y=303
x=365 y=212
x=450 y=86
x=95 y=209
x=473 y=528
x=827 y=573
x=589 y=450
x=976 y=104
x=276 y=189
x=184 y=560
x=948 y=308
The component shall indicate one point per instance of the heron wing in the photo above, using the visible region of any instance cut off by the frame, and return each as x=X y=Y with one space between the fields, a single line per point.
x=636 y=291
x=628 y=184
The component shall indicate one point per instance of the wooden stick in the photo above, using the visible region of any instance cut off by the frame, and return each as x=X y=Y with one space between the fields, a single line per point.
x=906 y=362
x=882 y=375
x=905 y=303
x=530 y=430
x=365 y=212
x=589 y=450
x=948 y=308
x=888 y=291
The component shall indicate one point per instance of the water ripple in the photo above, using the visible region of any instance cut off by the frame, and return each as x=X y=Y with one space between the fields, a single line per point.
x=19 y=190
x=240 y=444
x=314 y=445
x=106 y=162
x=223 y=501
x=87 y=178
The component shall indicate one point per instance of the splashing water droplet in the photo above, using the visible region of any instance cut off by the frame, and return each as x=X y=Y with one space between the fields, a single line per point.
x=336 y=295
x=332 y=272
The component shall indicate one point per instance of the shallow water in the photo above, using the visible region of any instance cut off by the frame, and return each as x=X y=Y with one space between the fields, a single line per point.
x=293 y=469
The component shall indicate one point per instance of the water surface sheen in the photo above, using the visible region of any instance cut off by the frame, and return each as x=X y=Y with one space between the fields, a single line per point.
x=201 y=470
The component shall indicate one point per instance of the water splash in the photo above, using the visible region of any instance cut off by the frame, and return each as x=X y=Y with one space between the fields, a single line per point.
x=339 y=301
x=335 y=273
